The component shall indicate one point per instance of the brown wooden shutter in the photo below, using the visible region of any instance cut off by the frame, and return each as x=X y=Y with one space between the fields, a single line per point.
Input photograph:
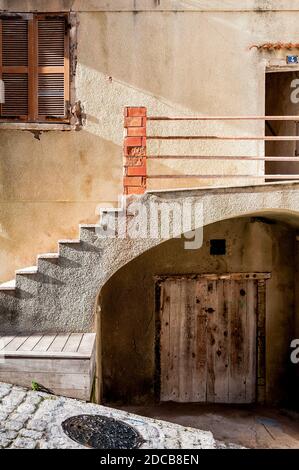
x=53 y=67
x=14 y=39
x=34 y=66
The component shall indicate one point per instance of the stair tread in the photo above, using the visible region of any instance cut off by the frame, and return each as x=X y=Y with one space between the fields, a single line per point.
x=9 y=285
x=27 y=270
x=71 y=240
x=48 y=255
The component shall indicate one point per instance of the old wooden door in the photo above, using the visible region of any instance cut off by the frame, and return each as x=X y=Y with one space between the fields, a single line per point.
x=208 y=338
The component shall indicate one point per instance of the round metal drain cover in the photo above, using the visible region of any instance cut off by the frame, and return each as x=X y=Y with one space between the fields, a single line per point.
x=101 y=432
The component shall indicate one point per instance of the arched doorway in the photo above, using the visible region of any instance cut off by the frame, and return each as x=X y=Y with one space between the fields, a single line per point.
x=129 y=303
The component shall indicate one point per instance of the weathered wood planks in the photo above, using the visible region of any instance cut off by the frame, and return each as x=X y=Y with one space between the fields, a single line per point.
x=208 y=338
x=63 y=363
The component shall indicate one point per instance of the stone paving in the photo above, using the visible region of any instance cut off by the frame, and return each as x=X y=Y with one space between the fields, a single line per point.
x=32 y=420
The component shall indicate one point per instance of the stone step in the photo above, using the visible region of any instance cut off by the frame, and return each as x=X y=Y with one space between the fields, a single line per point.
x=88 y=232
x=46 y=259
x=25 y=276
x=66 y=246
x=46 y=256
x=27 y=271
x=8 y=286
x=71 y=241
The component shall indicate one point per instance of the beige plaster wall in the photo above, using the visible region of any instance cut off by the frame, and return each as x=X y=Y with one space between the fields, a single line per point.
x=174 y=61
x=128 y=304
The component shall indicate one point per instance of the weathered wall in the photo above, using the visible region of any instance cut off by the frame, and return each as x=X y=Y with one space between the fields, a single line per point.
x=128 y=303
x=135 y=57
x=47 y=188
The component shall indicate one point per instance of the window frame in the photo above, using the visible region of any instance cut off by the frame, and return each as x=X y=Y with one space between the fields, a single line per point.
x=33 y=120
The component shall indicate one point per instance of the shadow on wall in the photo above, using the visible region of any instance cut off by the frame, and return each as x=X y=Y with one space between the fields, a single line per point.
x=147 y=53
x=50 y=186
x=121 y=69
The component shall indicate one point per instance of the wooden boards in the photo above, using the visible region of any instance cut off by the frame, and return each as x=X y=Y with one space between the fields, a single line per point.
x=208 y=338
x=63 y=363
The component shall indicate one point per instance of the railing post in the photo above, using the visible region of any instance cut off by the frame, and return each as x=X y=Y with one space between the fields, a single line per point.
x=135 y=150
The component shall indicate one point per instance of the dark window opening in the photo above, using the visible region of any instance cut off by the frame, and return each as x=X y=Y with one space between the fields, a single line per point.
x=218 y=247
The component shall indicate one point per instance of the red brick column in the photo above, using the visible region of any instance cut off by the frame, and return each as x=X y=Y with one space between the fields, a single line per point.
x=135 y=150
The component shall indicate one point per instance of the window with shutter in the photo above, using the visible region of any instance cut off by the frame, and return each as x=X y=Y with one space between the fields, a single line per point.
x=34 y=67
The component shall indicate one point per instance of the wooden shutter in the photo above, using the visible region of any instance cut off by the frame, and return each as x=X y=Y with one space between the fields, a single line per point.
x=14 y=40
x=34 y=66
x=53 y=67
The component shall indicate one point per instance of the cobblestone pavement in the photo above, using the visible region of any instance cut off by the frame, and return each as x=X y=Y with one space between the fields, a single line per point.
x=31 y=420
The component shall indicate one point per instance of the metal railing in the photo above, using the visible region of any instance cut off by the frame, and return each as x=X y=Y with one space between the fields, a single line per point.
x=138 y=130
x=225 y=138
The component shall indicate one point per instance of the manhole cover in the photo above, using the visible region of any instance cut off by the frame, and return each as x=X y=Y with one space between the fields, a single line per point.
x=101 y=432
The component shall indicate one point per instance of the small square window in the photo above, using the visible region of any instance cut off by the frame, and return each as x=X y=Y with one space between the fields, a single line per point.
x=218 y=247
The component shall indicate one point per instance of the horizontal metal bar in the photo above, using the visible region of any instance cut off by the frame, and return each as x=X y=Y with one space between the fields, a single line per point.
x=223 y=118
x=222 y=157
x=216 y=137
x=235 y=276
x=276 y=177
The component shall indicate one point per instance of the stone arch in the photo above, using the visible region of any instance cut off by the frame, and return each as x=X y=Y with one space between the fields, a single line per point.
x=218 y=204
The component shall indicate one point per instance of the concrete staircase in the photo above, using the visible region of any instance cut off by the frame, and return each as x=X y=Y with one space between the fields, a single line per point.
x=22 y=275
x=58 y=294
x=53 y=301
x=42 y=259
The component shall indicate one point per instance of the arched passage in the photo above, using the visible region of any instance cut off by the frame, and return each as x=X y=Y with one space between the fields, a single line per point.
x=261 y=243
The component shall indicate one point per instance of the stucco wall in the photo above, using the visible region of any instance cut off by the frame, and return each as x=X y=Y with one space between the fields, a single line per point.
x=128 y=303
x=172 y=58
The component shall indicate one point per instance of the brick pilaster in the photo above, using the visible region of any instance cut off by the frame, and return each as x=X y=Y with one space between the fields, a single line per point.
x=135 y=150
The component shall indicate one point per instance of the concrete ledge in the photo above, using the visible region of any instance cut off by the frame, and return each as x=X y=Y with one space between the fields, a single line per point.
x=28 y=126
x=256 y=188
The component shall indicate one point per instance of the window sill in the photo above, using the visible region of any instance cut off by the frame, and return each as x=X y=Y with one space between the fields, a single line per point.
x=31 y=126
